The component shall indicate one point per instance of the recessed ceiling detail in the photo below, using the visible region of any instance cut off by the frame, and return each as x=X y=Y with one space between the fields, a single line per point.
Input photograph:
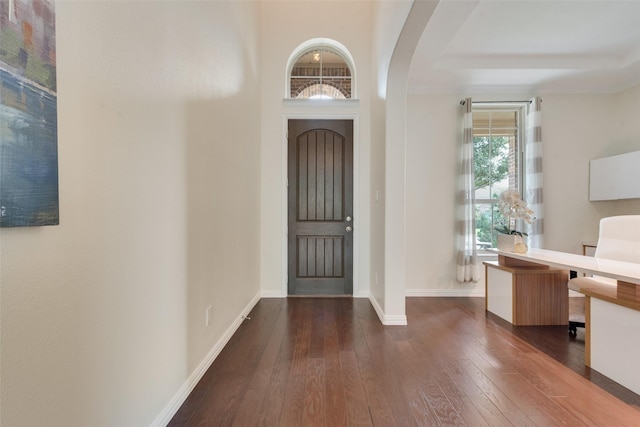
x=529 y=46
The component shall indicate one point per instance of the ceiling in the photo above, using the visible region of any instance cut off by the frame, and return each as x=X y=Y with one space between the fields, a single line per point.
x=529 y=46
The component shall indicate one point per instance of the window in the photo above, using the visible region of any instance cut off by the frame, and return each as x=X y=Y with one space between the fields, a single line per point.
x=497 y=142
x=320 y=69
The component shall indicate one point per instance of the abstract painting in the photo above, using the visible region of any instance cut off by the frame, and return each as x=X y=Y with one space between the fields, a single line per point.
x=28 y=114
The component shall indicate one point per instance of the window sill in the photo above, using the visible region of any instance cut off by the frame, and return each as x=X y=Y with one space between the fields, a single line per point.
x=487 y=256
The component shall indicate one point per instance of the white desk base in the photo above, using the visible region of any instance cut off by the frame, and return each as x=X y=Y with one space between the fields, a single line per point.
x=615 y=349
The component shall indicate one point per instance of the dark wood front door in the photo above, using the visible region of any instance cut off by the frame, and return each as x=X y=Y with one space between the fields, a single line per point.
x=320 y=173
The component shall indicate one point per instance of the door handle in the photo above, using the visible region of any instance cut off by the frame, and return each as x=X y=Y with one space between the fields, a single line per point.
x=348 y=228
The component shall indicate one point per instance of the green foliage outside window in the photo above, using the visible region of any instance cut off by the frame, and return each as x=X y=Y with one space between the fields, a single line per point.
x=491 y=159
x=484 y=226
x=491 y=163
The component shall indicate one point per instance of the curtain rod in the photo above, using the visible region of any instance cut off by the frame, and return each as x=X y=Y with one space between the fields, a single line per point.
x=496 y=102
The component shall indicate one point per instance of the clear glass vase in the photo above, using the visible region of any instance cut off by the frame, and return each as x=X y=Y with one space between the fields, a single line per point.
x=512 y=243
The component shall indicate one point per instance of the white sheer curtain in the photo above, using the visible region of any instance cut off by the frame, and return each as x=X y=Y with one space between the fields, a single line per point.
x=467 y=257
x=533 y=172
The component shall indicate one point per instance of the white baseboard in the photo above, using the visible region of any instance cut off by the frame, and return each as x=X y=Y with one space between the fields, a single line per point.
x=170 y=410
x=376 y=307
x=444 y=292
x=278 y=294
x=399 y=320
x=272 y=294
x=385 y=318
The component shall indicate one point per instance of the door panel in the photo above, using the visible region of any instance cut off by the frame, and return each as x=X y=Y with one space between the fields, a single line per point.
x=320 y=169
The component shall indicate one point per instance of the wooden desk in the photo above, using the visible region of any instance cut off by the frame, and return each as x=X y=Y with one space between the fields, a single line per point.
x=612 y=313
x=526 y=293
x=628 y=272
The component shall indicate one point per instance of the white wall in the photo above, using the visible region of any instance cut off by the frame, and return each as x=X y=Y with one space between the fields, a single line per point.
x=433 y=132
x=286 y=25
x=388 y=19
x=395 y=232
x=625 y=137
x=576 y=128
x=103 y=316
x=377 y=201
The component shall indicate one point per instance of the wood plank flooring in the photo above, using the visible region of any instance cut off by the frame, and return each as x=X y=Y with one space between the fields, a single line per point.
x=330 y=362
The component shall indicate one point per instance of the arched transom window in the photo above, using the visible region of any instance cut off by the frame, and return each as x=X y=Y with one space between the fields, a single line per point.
x=320 y=70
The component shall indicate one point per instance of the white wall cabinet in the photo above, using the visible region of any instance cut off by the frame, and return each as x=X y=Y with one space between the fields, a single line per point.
x=615 y=177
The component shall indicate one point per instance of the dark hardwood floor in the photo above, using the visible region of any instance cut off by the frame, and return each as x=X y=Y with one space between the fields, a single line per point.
x=330 y=362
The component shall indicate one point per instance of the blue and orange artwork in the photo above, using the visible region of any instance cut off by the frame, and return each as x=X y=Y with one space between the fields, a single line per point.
x=28 y=114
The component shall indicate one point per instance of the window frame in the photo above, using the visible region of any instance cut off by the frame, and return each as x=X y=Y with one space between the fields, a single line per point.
x=321 y=44
x=520 y=109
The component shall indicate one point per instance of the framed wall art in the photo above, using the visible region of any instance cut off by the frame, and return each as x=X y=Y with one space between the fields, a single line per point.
x=28 y=114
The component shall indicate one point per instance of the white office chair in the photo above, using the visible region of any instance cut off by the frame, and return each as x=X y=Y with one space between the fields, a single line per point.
x=618 y=239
